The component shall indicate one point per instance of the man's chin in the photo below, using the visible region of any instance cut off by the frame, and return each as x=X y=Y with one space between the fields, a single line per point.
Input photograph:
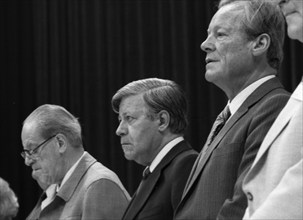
x=128 y=157
x=42 y=180
x=36 y=174
x=210 y=77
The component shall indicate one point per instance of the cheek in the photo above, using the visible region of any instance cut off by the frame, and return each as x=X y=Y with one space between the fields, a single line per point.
x=49 y=168
x=141 y=139
x=226 y=54
x=138 y=133
x=295 y=27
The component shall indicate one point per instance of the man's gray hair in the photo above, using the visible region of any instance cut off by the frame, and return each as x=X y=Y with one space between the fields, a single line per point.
x=52 y=119
x=262 y=17
x=158 y=94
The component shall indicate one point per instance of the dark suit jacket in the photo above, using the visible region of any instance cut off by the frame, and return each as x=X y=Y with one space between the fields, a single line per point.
x=92 y=192
x=162 y=190
x=215 y=190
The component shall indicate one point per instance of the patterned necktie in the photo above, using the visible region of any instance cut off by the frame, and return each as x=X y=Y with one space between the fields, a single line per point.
x=218 y=124
x=146 y=172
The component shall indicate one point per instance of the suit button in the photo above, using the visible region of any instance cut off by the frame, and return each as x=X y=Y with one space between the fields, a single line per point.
x=249 y=196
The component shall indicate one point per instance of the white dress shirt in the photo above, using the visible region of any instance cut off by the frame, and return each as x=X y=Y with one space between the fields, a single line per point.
x=235 y=104
x=163 y=152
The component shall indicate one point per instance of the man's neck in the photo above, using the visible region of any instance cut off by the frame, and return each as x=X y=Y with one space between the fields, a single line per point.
x=73 y=157
x=258 y=73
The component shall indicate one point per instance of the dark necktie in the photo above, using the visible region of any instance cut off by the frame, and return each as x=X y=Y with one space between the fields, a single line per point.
x=145 y=174
x=218 y=124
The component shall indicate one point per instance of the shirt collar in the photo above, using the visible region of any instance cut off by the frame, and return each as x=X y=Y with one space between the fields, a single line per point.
x=297 y=94
x=51 y=190
x=69 y=172
x=235 y=104
x=163 y=152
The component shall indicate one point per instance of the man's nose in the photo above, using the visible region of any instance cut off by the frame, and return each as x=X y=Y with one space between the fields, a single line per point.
x=207 y=45
x=121 y=130
x=28 y=161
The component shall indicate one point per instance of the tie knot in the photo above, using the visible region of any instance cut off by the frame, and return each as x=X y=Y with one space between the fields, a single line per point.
x=218 y=124
x=225 y=114
x=146 y=172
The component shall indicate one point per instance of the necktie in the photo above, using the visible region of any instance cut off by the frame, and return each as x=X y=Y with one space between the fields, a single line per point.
x=146 y=172
x=218 y=124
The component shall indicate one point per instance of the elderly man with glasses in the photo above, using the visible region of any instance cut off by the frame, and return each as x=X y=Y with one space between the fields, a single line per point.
x=76 y=185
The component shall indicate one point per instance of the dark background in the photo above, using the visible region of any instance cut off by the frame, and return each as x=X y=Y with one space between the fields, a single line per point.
x=79 y=53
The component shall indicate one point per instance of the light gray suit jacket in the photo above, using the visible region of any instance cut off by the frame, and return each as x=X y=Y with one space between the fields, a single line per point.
x=92 y=192
x=273 y=185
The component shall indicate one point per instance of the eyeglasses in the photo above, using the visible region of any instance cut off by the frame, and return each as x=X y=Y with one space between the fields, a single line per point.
x=33 y=153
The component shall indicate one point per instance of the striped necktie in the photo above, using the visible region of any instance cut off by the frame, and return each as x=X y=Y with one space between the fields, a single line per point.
x=218 y=124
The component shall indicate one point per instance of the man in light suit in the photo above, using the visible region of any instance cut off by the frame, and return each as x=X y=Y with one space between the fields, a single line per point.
x=244 y=52
x=76 y=185
x=273 y=185
x=152 y=115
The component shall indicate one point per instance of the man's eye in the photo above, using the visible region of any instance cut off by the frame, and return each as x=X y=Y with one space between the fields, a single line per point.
x=281 y=2
x=129 y=118
x=221 y=34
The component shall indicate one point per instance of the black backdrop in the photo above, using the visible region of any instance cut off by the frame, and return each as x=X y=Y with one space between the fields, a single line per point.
x=77 y=53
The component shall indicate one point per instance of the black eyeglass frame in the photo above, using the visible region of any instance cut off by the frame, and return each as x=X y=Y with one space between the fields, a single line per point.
x=31 y=153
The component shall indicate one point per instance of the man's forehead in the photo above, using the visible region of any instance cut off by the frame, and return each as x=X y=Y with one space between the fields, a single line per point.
x=134 y=103
x=29 y=134
x=227 y=16
x=132 y=100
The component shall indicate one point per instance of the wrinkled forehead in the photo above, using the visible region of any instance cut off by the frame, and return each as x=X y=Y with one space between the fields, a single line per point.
x=132 y=103
x=29 y=134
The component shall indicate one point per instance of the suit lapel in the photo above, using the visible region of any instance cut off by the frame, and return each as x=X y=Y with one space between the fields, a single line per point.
x=281 y=121
x=70 y=185
x=140 y=199
x=205 y=154
x=35 y=214
x=259 y=93
x=192 y=172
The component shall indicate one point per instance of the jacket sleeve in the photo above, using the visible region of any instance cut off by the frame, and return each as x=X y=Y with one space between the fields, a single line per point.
x=182 y=168
x=104 y=199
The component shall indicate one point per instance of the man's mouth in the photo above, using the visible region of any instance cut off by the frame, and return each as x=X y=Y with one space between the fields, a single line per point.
x=209 y=60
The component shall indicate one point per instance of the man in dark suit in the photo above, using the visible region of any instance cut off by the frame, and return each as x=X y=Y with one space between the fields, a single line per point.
x=75 y=185
x=152 y=115
x=244 y=52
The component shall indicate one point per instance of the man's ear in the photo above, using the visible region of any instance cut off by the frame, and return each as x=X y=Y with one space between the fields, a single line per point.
x=61 y=142
x=261 y=44
x=164 y=119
